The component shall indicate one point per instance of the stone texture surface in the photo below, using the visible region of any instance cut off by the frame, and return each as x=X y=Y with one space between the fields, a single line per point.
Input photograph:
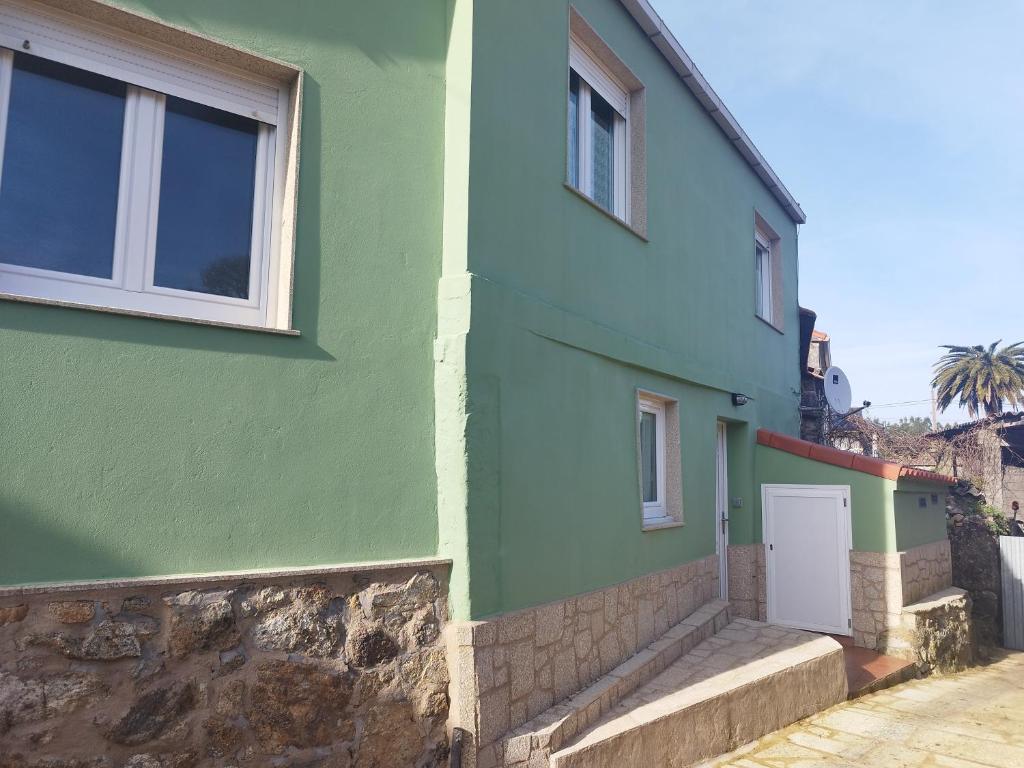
x=508 y=670
x=558 y=726
x=926 y=570
x=967 y=720
x=976 y=568
x=746 y=681
x=936 y=633
x=876 y=585
x=883 y=585
x=747 y=583
x=339 y=670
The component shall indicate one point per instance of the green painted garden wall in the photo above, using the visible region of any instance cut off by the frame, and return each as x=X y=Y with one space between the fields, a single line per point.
x=572 y=312
x=135 y=447
x=871 y=497
x=917 y=525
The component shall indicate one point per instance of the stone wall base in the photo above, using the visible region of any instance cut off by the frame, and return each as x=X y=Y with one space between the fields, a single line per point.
x=935 y=633
x=882 y=584
x=507 y=670
x=926 y=570
x=747 y=584
x=334 y=670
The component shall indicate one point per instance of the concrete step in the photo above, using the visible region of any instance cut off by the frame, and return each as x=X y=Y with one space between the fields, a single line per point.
x=868 y=670
x=747 y=680
x=532 y=744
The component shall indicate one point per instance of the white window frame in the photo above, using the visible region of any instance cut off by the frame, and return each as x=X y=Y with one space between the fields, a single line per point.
x=764 y=301
x=654 y=512
x=594 y=76
x=151 y=70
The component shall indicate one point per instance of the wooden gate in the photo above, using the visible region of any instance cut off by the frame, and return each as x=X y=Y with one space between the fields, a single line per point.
x=1011 y=553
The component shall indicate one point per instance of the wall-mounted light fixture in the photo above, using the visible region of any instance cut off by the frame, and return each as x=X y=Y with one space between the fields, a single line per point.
x=739 y=399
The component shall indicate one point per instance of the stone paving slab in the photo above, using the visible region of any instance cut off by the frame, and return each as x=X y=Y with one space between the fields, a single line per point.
x=973 y=719
x=747 y=680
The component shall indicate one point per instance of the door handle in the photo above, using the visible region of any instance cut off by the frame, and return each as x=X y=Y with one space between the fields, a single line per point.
x=724 y=521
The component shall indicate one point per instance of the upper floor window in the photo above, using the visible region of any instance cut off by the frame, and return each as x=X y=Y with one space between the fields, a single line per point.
x=763 y=273
x=135 y=180
x=768 y=304
x=598 y=132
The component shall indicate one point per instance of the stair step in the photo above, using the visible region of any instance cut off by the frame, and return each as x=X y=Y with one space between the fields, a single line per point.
x=869 y=671
x=533 y=742
x=746 y=681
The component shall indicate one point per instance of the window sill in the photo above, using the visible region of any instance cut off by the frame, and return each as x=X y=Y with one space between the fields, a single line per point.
x=660 y=526
x=606 y=213
x=148 y=315
x=770 y=324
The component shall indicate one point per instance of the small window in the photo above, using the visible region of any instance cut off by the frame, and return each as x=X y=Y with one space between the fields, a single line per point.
x=658 y=460
x=652 y=459
x=598 y=130
x=133 y=179
x=763 y=270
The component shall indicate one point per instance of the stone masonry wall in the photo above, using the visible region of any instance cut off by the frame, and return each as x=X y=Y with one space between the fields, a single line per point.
x=747 y=582
x=935 y=633
x=876 y=585
x=926 y=570
x=341 y=669
x=976 y=568
x=883 y=583
x=507 y=670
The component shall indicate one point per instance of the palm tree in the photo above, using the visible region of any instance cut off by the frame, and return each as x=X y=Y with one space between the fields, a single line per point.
x=982 y=377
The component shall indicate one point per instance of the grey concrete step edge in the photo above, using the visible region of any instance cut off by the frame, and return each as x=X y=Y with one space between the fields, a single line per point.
x=560 y=724
x=757 y=706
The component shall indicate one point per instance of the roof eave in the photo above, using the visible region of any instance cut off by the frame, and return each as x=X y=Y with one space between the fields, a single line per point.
x=655 y=29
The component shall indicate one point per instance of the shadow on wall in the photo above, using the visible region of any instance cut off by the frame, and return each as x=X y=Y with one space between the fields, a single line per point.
x=31 y=552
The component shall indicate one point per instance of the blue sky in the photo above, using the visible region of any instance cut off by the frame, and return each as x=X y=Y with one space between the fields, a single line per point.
x=898 y=126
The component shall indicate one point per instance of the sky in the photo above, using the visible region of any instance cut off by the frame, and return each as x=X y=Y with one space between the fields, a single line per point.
x=898 y=127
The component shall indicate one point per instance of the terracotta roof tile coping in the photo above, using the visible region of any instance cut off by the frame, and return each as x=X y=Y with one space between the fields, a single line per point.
x=847 y=459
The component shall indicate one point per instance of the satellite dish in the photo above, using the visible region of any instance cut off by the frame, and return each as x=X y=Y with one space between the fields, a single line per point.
x=837 y=390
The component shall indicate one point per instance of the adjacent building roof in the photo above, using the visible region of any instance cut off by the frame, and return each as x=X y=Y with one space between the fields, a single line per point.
x=680 y=61
x=848 y=460
x=1003 y=421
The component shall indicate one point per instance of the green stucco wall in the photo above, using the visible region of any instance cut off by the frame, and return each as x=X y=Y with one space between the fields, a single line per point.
x=871 y=497
x=917 y=525
x=571 y=313
x=136 y=447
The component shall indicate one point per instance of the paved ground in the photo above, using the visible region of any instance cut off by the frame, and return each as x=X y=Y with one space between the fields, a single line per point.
x=962 y=721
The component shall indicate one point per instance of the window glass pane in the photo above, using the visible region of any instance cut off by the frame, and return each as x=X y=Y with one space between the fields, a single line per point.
x=603 y=152
x=207 y=183
x=649 y=456
x=61 y=168
x=574 y=129
x=760 y=268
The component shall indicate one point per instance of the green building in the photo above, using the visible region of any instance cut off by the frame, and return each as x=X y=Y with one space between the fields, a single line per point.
x=487 y=296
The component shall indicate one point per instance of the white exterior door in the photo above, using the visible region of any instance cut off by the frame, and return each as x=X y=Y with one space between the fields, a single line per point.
x=808 y=537
x=722 y=511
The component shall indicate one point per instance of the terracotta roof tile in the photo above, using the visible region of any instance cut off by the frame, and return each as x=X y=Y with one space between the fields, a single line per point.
x=847 y=459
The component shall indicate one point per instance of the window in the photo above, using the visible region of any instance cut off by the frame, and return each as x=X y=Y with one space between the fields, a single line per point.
x=763 y=269
x=767 y=274
x=659 y=466
x=598 y=132
x=136 y=179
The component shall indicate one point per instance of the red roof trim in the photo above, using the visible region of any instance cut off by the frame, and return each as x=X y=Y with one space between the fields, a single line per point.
x=847 y=459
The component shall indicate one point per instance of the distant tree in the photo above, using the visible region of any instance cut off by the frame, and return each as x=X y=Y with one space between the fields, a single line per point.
x=982 y=377
x=912 y=425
